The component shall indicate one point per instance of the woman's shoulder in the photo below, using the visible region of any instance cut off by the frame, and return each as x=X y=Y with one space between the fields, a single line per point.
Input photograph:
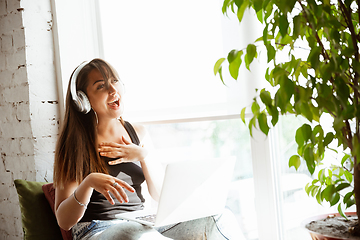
x=139 y=129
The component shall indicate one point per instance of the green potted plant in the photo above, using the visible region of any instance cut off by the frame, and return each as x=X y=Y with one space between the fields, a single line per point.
x=323 y=83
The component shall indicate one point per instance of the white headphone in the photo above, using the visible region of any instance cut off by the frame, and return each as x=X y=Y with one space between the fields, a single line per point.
x=80 y=99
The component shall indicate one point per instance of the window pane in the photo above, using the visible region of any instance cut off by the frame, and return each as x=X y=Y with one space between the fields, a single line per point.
x=166 y=60
x=214 y=139
x=295 y=204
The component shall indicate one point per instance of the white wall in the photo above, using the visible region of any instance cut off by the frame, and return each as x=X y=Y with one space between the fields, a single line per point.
x=28 y=103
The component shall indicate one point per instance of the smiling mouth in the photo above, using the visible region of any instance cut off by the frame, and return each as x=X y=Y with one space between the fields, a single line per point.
x=114 y=103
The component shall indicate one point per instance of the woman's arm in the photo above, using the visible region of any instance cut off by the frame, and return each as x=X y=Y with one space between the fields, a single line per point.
x=153 y=171
x=69 y=209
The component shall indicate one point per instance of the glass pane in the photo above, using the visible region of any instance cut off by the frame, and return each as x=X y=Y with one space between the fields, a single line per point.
x=214 y=139
x=166 y=60
x=295 y=204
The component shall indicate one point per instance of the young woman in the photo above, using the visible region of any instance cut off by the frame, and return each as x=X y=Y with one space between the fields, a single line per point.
x=101 y=162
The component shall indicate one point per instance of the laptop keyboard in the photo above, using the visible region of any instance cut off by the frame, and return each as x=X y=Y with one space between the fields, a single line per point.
x=148 y=218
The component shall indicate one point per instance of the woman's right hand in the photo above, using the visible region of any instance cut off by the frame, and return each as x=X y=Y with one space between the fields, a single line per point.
x=68 y=211
x=106 y=184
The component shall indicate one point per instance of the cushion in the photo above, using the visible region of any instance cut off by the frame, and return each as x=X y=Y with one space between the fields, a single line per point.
x=49 y=192
x=38 y=220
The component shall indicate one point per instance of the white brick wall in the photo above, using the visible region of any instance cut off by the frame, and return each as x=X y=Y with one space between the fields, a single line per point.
x=29 y=118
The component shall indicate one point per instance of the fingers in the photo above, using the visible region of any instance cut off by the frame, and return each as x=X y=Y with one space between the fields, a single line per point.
x=112 y=152
x=122 y=141
x=108 y=197
x=109 y=144
x=112 y=149
x=124 y=152
x=120 y=194
x=125 y=141
x=125 y=185
x=118 y=191
x=117 y=161
x=105 y=148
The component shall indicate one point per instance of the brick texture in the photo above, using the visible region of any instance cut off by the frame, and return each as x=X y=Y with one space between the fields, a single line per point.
x=29 y=118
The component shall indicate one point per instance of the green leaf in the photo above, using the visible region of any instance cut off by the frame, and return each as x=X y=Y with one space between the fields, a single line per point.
x=304 y=69
x=345 y=157
x=250 y=54
x=265 y=97
x=303 y=134
x=306 y=131
x=299 y=137
x=284 y=93
x=308 y=188
x=286 y=6
x=294 y=161
x=264 y=127
x=348 y=176
x=328 y=192
x=238 y=3
x=221 y=76
x=234 y=59
x=232 y=55
x=275 y=115
x=309 y=158
x=270 y=52
x=241 y=10
x=342 y=186
x=257 y=5
x=348 y=199
x=314 y=57
x=315 y=191
x=341 y=211
x=259 y=15
x=283 y=25
x=255 y=108
x=297 y=26
x=252 y=123
x=318 y=197
x=217 y=65
x=321 y=176
x=225 y=5
x=286 y=40
x=265 y=34
x=334 y=199
x=306 y=111
x=318 y=132
x=242 y=114
x=328 y=138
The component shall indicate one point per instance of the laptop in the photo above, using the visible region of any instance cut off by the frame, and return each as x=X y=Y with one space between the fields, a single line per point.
x=192 y=189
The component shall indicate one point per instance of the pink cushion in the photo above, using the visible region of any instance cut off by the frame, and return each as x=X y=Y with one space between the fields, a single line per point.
x=49 y=192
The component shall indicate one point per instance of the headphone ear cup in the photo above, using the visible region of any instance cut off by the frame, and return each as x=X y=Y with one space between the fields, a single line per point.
x=83 y=102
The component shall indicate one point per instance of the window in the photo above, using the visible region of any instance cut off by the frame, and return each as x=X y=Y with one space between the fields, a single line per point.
x=164 y=51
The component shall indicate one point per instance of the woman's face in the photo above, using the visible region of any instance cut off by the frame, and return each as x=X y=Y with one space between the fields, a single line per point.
x=105 y=95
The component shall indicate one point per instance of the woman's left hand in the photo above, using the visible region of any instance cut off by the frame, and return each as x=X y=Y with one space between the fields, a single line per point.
x=124 y=152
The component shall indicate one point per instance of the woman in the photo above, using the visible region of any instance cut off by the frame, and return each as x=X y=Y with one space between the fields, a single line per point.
x=101 y=162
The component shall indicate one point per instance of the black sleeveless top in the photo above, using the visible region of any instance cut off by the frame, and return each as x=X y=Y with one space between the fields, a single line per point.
x=99 y=208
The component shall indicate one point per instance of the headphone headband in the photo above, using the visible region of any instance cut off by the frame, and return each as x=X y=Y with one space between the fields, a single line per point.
x=80 y=99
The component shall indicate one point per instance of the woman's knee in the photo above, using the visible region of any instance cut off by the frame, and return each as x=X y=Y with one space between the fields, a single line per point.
x=130 y=231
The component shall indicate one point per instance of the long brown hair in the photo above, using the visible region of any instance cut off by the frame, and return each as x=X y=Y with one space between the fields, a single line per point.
x=76 y=152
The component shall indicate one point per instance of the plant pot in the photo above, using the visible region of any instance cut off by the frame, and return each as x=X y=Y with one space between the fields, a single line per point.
x=328 y=236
